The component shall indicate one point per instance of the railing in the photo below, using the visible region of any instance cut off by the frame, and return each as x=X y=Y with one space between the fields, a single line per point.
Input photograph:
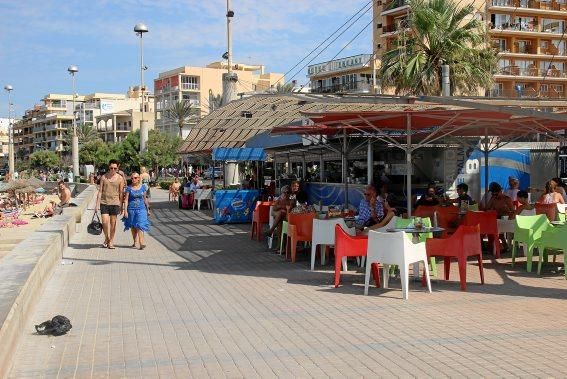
x=529 y=92
x=360 y=86
x=396 y=26
x=533 y=72
x=190 y=86
x=518 y=26
x=531 y=4
x=395 y=4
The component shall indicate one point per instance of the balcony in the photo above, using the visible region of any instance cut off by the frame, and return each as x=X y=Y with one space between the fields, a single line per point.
x=354 y=87
x=531 y=4
x=396 y=27
x=189 y=87
x=532 y=72
x=395 y=7
x=517 y=26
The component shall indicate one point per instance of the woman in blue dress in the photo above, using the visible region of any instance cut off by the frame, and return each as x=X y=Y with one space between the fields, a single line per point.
x=137 y=211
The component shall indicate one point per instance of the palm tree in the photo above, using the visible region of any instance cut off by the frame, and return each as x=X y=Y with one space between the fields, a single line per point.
x=285 y=88
x=86 y=134
x=438 y=32
x=182 y=112
x=215 y=101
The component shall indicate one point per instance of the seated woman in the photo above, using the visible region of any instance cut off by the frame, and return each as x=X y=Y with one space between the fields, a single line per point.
x=371 y=213
x=550 y=196
x=280 y=209
x=429 y=198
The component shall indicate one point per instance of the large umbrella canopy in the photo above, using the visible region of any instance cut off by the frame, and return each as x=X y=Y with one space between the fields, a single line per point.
x=25 y=190
x=410 y=129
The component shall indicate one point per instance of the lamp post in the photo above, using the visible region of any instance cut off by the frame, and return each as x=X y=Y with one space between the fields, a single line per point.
x=9 y=89
x=140 y=29
x=75 y=142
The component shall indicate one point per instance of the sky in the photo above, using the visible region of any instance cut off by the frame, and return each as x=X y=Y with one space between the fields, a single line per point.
x=39 y=39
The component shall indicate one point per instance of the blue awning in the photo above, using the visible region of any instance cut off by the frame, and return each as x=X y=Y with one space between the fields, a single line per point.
x=238 y=154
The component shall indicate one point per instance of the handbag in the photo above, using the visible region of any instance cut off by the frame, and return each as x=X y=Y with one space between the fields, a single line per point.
x=95 y=227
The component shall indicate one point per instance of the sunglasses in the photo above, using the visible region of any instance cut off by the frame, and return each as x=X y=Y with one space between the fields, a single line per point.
x=135 y=177
x=113 y=168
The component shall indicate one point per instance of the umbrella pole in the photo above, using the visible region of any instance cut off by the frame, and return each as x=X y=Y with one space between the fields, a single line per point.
x=345 y=168
x=408 y=163
x=486 y=166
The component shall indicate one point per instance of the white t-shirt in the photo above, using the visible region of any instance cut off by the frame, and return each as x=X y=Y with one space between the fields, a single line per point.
x=512 y=193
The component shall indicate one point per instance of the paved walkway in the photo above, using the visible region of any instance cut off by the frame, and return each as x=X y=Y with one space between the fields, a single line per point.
x=206 y=301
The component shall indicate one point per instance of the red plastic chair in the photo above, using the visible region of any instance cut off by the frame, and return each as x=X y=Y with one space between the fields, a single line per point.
x=461 y=245
x=488 y=226
x=351 y=246
x=550 y=210
x=448 y=219
x=425 y=211
x=260 y=217
x=299 y=229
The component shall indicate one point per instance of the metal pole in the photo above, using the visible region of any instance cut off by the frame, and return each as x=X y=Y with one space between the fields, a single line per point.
x=345 y=168
x=229 y=36
x=75 y=141
x=408 y=163
x=143 y=122
x=321 y=167
x=485 y=166
x=370 y=162
x=10 y=133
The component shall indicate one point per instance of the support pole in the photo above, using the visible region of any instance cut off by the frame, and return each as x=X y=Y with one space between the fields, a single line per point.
x=213 y=180
x=303 y=167
x=408 y=163
x=345 y=166
x=275 y=174
x=321 y=167
x=485 y=166
x=445 y=80
x=370 y=162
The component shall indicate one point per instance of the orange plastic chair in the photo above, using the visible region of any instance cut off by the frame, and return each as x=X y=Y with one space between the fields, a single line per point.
x=550 y=210
x=260 y=217
x=448 y=219
x=465 y=242
x=488 y=226
x=351 y=246
x=299 y=229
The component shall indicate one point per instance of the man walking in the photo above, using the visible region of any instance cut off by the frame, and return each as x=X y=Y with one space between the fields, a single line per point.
x=109 y=201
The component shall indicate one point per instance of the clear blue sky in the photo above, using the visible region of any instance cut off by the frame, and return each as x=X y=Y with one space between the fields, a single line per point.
x=39 y=39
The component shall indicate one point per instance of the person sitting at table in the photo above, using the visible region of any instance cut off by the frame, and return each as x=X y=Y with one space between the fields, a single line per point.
x=560 y=188
x=297 y=195
x=385 y=197
x=462 y=195
x=514 y=185
x=429 y=198
x=499 y=202
x=487 y=196
x=280 y=209
x=524 y=205
x=550 y=196
x=371 y=211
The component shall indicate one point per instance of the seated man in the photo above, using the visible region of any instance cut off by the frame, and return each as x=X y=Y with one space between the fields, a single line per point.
x=429 y=198
x=64 y=194
x=499 y=202
x=371 y=211
x=280 y=209
x=524 y=204
x=462 y=195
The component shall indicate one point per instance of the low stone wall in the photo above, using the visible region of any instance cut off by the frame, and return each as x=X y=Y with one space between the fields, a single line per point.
x=27 y=268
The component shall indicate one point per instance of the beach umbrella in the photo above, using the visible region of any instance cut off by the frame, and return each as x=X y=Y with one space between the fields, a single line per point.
x=27 y=189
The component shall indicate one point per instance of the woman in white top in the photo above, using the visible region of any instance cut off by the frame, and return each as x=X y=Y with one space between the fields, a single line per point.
x=550 y=196
x=559 y=188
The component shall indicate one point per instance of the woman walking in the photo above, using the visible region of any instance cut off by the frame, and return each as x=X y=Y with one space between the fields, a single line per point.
x=137 y=211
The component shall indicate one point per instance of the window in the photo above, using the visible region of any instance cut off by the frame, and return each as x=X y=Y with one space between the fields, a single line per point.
x=189 y=82
x=549 y=25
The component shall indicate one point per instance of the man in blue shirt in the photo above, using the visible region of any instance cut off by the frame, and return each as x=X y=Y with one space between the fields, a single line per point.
x=371 y=210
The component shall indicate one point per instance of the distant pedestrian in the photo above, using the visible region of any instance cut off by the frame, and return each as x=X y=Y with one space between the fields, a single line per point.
x=137 y=211
x=109 y=201
x=145 y=180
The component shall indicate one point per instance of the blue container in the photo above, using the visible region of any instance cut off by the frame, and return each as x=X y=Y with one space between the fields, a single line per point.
x=235 y=206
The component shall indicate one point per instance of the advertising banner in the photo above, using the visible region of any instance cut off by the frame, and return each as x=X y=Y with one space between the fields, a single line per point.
x=234 y=206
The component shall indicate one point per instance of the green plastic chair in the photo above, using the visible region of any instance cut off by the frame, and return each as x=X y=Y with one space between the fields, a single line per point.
x=552 y=241
x=473 y=207
x=284 y=232
x=528 y=230
x=404 y=222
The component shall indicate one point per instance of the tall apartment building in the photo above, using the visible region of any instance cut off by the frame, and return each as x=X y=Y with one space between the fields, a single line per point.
x=350 y=74
x=43 y=127
x=195 y=84
x=527 y=33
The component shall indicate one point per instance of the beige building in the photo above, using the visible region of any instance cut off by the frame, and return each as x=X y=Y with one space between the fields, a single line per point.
x=197 y=84
x=44 y=126
x=527 y=33
x=351 y=74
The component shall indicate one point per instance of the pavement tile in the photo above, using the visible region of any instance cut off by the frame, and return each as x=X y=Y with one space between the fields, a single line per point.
x=204 y=300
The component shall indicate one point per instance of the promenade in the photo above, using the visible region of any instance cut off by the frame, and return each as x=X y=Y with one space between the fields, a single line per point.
x=204 y=300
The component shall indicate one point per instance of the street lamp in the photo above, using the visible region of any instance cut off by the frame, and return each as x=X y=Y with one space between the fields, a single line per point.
x=140 y=29
x=9 y=89
x=75 y=142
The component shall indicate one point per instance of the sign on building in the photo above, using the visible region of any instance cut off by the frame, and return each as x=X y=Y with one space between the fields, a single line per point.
x=106 y=106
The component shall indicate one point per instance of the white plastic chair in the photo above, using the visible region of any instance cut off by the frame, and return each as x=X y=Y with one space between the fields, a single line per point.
x=270 y=224
x=324 y=235
x=528 y=212
x=202 y=195
x=394 y=249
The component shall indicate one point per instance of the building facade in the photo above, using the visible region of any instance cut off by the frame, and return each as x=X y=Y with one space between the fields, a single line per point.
x=528 y=35
x=44 y=127
x=198 y=85
x=351 y=74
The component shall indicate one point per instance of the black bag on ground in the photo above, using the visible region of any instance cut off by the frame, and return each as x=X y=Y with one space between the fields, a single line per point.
x=57 y=326
x=95 y=227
